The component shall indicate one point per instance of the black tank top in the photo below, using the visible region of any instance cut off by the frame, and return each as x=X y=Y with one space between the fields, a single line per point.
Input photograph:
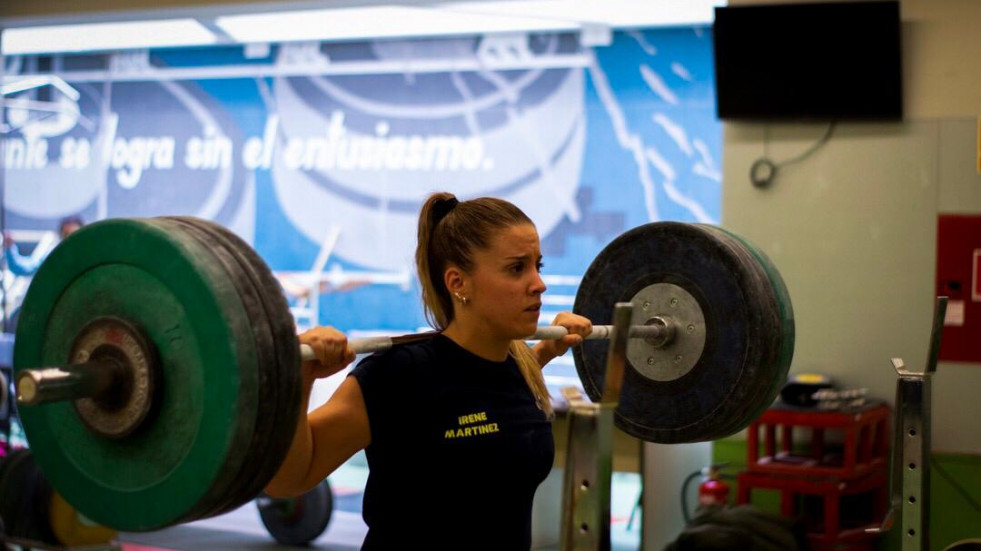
x=458 y=448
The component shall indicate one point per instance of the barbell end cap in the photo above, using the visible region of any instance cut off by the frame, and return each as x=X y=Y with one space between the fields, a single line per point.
x=27 y=387
x=306 y=353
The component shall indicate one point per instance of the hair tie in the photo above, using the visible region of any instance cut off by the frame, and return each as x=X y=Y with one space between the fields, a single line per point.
x=443 y=207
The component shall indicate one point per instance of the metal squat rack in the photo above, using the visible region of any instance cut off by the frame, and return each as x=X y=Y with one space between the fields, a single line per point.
x=589 y=463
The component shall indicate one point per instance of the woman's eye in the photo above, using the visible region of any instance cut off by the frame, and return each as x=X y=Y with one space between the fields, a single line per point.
x=540 y=266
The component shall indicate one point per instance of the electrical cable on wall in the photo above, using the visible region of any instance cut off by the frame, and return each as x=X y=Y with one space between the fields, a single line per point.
x=765 y=170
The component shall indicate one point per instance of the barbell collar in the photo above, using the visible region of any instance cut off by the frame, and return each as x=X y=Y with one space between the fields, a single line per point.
x=70 y=382
x=659 y=332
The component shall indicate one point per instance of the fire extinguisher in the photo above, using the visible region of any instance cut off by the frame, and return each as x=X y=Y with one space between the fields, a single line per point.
x=713 y=491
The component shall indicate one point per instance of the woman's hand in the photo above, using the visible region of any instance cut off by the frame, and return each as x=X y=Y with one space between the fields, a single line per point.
x=578 y=328
x=331 y=349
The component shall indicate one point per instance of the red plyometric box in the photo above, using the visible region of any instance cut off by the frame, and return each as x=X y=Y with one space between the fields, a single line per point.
x=959 y=277
x=865 y=446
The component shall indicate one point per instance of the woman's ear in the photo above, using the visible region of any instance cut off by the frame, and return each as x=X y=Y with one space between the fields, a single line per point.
x=455 y=280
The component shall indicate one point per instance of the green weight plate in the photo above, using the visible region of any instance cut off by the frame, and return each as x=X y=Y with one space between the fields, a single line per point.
x=284 y=371
x=788 y=329
x=195 y=434
x=231 y=487
x=735 y=303
x=236 y=490
x=244 y=485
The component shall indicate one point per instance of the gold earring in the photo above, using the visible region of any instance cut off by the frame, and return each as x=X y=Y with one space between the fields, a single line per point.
x=462 y=298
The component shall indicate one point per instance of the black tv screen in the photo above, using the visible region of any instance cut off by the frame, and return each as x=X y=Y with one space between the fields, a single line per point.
x=822 y=61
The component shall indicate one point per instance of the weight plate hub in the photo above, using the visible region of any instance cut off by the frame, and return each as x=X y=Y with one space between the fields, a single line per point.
x=168 y=286
x=130 y=399
x=666 y=302
x=715 y=279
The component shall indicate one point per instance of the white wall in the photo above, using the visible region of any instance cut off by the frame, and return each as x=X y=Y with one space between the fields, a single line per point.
x=853 y=228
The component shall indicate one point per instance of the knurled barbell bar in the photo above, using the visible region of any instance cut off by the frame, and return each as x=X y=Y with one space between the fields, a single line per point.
x=110 y=379
x=181 y=387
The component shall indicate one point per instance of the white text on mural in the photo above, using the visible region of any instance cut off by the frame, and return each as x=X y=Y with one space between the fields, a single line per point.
x=336 y=149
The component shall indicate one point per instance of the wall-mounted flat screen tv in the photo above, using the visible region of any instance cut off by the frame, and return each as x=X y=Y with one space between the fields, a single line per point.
x=815 y=61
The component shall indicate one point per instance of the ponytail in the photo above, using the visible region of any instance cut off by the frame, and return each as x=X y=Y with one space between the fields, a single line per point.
x=436 y=299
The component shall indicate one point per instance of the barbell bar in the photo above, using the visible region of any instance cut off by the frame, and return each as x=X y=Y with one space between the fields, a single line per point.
x=99 y=379
x=658 y=330
x=204 y=411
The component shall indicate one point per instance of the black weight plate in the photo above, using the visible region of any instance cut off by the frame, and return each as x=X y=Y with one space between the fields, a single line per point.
x=699 y=405
x=787 y=331
x=10 y=496
x=24 y=488
x=38 y=526
x=17 y=484
x=300 y=520
x=4 y=467
x=237 y=488
x=765 y=379
x=287 y=367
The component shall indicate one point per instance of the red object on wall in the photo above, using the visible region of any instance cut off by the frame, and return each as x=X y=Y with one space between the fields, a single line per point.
x=959 y=277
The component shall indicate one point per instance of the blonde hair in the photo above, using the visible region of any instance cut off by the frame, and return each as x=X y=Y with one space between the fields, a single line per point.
x=450 y=231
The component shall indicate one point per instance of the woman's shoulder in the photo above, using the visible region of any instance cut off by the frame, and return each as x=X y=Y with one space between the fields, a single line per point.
x=399 y=360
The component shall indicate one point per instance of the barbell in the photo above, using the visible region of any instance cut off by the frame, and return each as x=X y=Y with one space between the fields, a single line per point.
x=102 y=377
x=175 y=385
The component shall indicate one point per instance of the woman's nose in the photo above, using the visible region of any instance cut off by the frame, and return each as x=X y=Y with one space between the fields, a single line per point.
x=538 y=286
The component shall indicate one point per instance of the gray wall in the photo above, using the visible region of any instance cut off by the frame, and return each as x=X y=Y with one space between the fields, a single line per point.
x=853 y=229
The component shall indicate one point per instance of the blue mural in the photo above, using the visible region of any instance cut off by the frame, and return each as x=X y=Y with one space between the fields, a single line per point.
x=324 y=174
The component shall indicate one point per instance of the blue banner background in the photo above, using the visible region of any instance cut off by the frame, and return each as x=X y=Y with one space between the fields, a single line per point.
x=632 y=138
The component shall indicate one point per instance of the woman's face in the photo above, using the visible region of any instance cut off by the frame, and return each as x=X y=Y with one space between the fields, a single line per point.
x=505 y=286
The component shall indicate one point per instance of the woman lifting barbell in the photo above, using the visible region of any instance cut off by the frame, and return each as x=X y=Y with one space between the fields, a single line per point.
x=456 y=428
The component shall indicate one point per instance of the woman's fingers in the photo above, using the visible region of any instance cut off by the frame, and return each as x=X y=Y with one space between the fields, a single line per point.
x=331 y=349
x=574 y=324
